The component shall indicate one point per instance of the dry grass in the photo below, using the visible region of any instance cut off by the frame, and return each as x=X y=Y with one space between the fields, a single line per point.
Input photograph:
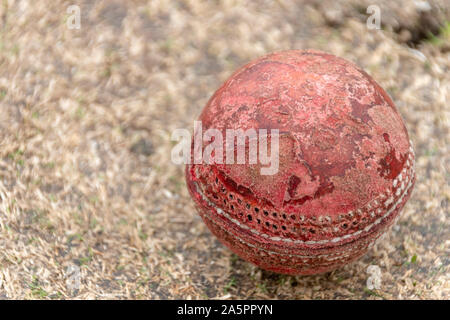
x=86 y=118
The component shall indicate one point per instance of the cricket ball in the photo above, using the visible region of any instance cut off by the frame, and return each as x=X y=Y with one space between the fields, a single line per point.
x=345 y=171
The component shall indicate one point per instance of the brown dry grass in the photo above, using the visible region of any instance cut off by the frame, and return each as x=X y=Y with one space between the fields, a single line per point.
x=86 y=119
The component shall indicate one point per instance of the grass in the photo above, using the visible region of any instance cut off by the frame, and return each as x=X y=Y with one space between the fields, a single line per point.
x=36 y=290
x=142 y=235
x=229 y=285
x=373 y=293
x=84 y=261
x=3 y=93
x=16 y=155
x=442 y=37
x=262 y=287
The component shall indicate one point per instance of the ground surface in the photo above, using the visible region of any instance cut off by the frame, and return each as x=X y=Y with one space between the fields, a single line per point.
x=85 y=137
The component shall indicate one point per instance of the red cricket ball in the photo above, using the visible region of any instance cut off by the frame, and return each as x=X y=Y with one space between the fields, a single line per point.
x=346 y=165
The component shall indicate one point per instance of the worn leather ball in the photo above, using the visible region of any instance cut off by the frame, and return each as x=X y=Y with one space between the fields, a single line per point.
x=346 y=164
